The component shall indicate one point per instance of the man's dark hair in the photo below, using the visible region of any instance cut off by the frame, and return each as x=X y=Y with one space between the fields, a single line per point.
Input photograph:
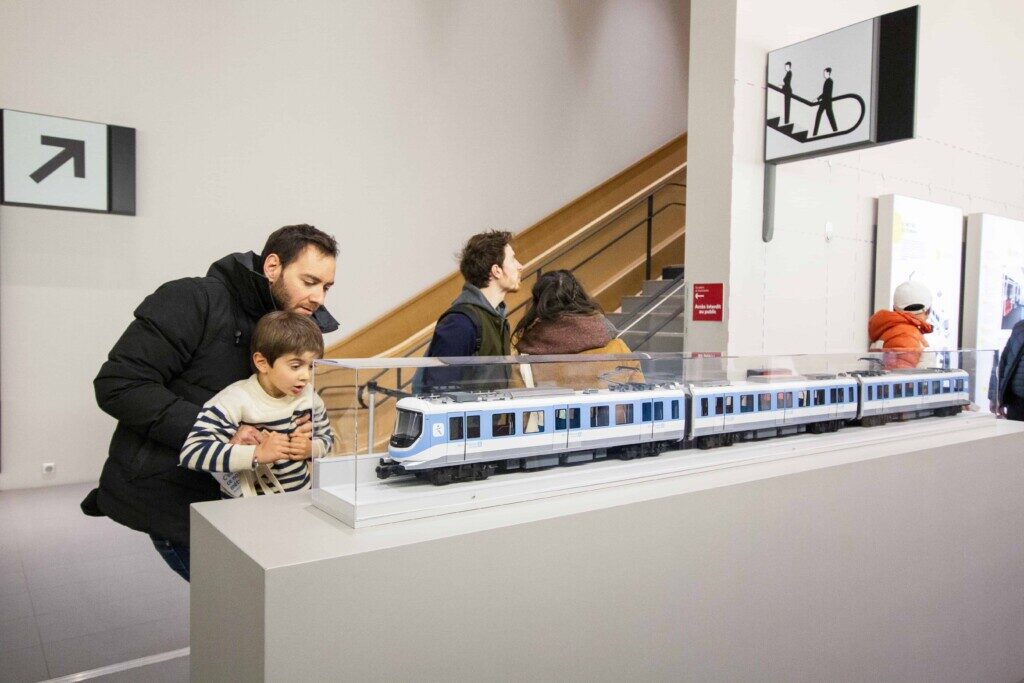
x=480 y=253
x=789 y=64
x=283 y=332
x=290 y=241
x=828 y=69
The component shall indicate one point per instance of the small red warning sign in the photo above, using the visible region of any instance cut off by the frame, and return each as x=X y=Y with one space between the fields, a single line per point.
x=707 y=302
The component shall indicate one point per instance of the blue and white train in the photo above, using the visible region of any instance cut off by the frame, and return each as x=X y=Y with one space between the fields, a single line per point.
x=466 y=435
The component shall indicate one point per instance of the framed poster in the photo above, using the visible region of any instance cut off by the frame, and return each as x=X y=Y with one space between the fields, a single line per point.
x=922 y=241
x=993 y=288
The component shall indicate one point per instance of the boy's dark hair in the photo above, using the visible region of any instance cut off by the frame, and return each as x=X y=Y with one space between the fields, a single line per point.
x=290 y=241
x=480 y=253
x=283 y=332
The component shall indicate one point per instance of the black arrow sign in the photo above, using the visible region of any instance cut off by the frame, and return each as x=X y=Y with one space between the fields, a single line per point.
x=73 y=149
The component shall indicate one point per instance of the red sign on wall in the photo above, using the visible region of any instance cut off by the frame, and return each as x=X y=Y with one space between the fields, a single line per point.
x=707 y=302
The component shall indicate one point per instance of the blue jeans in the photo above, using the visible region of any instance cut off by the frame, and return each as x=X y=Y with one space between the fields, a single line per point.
x=176 y=556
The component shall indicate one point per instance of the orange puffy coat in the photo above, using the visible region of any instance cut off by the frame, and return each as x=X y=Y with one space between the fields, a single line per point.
x=899 y=331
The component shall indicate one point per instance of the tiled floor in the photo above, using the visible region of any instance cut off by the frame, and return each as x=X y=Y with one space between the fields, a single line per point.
x=77 y=592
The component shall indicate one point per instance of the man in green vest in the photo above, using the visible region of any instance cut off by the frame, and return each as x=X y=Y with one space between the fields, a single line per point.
x=475 y=324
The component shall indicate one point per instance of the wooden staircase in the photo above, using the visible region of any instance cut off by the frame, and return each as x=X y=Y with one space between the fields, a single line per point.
x=602 y=237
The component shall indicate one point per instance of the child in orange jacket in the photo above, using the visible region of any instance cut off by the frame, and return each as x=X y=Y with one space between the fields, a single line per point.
x=904 y=327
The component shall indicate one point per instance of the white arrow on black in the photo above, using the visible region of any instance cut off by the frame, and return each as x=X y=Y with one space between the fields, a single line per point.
x=73 y=150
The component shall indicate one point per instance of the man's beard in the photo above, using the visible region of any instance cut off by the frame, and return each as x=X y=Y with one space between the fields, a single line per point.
x=279 y=293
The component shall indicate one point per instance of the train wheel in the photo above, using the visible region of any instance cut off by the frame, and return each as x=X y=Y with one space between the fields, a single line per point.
x=440 y=476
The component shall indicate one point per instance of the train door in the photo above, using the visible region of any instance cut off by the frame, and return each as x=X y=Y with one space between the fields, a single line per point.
x=474 y=443
x=647 y=420
x=456 y=449
x=574 y=438
x=561 y=435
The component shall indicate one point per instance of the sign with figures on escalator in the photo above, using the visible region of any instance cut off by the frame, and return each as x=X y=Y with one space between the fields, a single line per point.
x=849 y=88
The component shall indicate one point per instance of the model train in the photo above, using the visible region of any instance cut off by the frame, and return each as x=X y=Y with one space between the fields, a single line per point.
x=465 y=435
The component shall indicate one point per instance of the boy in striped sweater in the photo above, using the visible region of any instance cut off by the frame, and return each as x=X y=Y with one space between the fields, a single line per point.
x=277 y=400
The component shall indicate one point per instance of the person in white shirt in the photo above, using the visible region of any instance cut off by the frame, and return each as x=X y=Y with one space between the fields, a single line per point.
x=274 y=400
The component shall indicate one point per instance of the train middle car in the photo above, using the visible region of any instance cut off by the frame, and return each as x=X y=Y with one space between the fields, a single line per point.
x=725 y=413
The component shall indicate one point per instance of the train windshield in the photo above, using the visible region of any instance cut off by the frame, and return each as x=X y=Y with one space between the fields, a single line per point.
x=408 y=426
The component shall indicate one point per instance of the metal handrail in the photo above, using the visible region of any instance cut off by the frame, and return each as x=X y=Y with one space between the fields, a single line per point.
x=657 y=299
x=672 y=316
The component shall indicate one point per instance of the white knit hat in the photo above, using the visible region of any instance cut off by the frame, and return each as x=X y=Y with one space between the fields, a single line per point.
x=912 y=294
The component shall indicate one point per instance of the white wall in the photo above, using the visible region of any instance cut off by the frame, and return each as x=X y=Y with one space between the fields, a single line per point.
x=801 y=293
x=400 y=127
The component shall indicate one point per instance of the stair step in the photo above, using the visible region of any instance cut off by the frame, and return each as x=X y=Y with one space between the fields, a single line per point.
x=632 y=304
x=801 y=136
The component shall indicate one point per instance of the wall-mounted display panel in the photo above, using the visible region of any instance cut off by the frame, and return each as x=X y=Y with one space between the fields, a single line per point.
x=993 y=286
x=922 y=241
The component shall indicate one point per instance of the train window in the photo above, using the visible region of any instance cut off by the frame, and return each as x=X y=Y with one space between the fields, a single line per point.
x=869 y=393
x=455 y=429
x=832 y=396
x=574 y=418
x=801 y=398
x=503 y=424
x=922 y=388
x=645 y=412
x=789 y=399
x=849 y=394
x=764 y=402
x=560 y=419
x=746 y=403
x=473 y=427
x=729 y=407
x=720 y=405
x=533 y=422
x=897 y=390
x=945 y=386
x=623 y=413
x=675 y=410
x=599 y=416
x=935 y=387
x=780 y=399
x=659 y=411
x=960 y=385
x=704 y=407
x=819 y=397
x=885 y=390
x=909 y=389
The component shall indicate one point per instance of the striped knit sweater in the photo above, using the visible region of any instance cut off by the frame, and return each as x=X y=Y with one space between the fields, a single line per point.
x=246 y=403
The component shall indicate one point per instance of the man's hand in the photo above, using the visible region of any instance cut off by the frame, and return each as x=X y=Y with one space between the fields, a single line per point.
x=273 y=447
x=1000 y=411
x=247 y=435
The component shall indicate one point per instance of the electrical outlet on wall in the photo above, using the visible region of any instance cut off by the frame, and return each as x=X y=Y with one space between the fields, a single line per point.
x=49 y=469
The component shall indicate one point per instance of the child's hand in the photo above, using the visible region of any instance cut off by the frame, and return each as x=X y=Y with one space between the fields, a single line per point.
x=273 y=447
x=300 y=446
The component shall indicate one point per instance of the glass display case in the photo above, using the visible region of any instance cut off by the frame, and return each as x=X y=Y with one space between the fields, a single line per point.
x=417 y=437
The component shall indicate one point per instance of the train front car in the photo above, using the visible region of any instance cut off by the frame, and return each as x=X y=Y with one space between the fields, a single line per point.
x=904 y=394
x=412 y=446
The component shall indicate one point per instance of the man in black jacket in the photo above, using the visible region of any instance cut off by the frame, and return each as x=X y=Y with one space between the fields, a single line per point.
x=189 y=340
x=1006 y=385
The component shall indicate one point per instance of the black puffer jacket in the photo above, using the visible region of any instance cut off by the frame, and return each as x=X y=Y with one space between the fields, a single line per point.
x=189 y=340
